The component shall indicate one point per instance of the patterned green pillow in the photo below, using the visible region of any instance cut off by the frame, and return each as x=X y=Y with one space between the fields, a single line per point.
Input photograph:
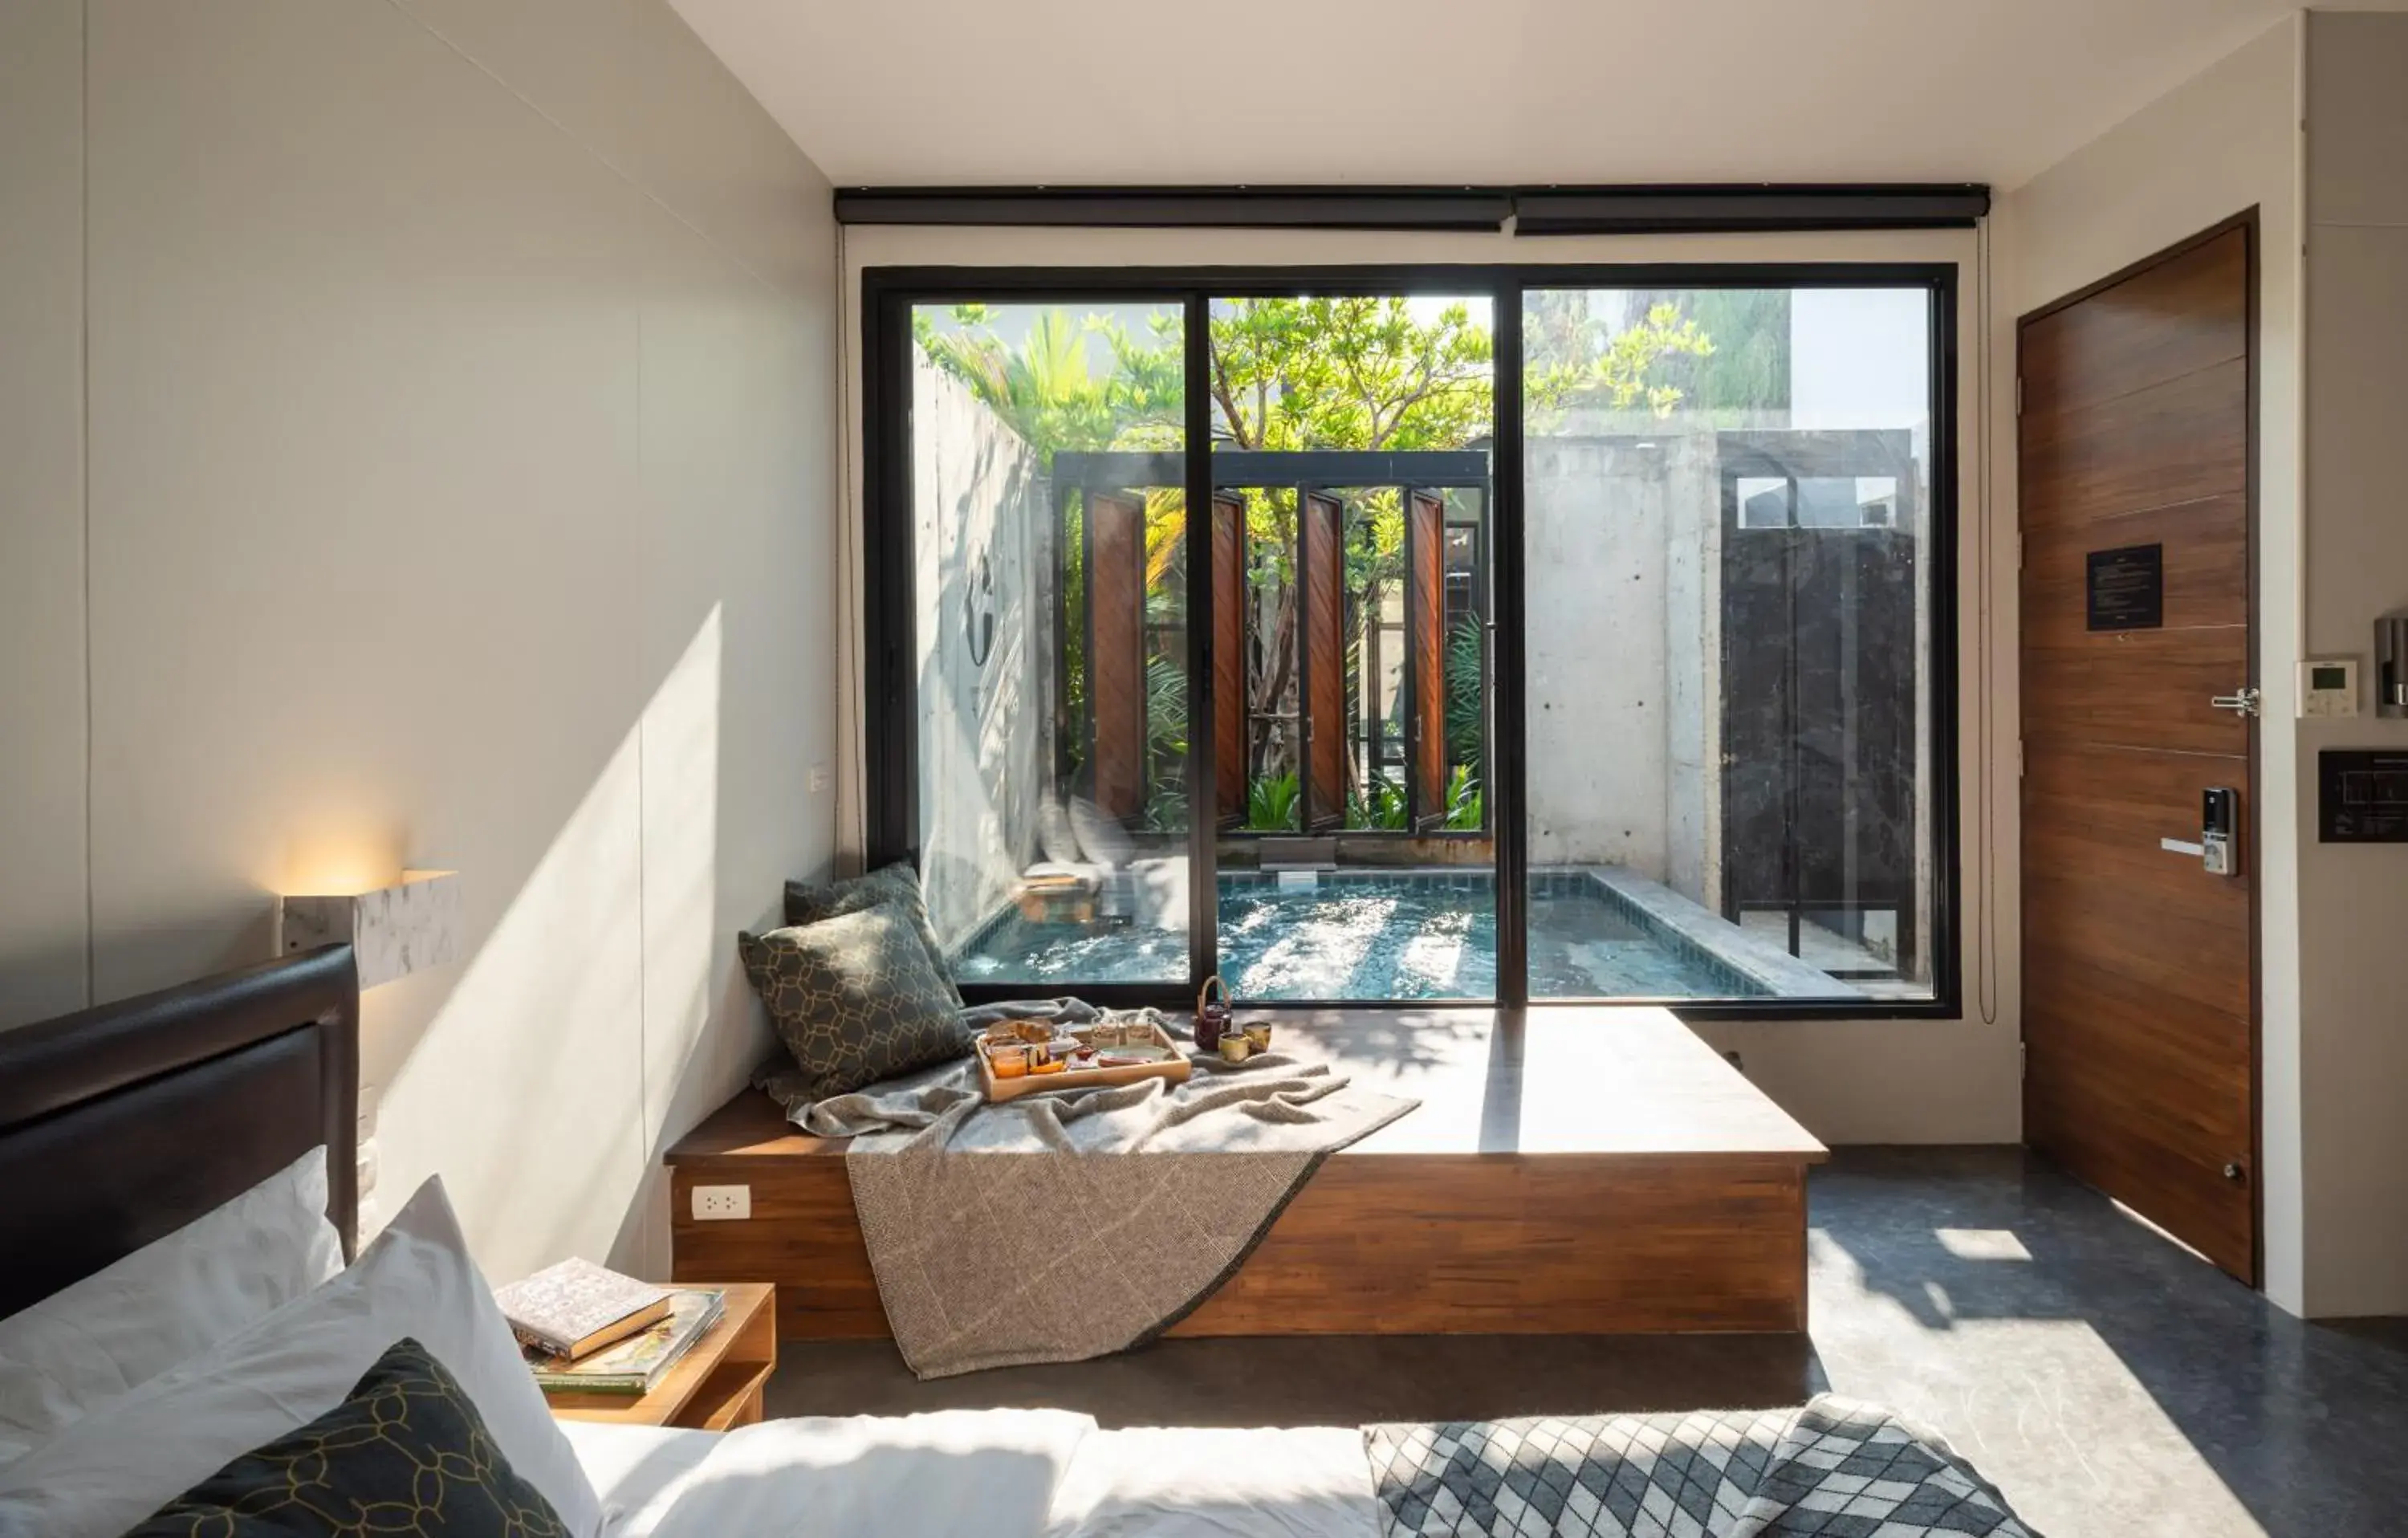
x=808 y=903
x=856 y=999
x=406 y=1452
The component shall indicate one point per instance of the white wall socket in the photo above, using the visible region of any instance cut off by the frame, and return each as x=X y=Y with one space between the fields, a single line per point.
x=819 y=778
x=722 y=1203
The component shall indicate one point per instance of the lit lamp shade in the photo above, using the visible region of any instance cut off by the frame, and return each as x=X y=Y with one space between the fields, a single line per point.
x=393 y=931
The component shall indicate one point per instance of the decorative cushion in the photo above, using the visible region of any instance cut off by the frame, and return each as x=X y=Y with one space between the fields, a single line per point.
x=856 y=999
x=809 y=902
x=403 y=1452
x=1106 y=842
x=1054 y=835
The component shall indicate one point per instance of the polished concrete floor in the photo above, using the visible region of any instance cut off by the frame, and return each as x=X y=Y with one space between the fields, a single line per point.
x=2106 y=1380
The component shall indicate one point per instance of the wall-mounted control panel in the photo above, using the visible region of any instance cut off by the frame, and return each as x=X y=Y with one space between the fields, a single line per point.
x=2362 y=795
x=2328 y=686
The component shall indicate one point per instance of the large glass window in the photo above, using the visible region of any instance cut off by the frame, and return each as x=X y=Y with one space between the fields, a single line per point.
x=1257 y=709
x=1351 y=440
x=1729 y=527
x=1050 y=542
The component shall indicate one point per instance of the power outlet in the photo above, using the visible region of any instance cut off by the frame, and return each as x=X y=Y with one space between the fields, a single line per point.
x=722 y=1203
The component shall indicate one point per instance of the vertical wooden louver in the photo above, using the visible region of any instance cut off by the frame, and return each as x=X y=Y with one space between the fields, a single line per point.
x=1323 y=579
x=1426 y=657
x=1117 y=652
x=1229 y=601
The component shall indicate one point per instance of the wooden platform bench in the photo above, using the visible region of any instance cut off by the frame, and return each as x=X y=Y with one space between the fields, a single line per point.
x=1583 y=1172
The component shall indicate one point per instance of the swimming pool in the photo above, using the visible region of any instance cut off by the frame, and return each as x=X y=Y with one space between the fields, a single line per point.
x=1405 y=936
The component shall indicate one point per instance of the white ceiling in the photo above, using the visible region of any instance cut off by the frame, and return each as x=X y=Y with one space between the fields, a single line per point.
x=1028 y=92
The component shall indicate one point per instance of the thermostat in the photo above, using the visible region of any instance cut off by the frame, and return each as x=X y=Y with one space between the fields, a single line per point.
x=2328 y=686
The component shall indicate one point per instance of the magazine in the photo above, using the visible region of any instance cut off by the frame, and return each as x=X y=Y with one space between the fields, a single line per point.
x=636 y=1364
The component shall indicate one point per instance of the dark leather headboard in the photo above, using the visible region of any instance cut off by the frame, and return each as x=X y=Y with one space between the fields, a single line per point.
x=120 y=1124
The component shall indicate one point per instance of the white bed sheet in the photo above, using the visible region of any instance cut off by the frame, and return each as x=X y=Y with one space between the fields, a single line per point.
x=631 y=1465
x=999 y=1474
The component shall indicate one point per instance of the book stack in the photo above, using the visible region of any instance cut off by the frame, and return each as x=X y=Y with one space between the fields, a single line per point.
x=586 y=1330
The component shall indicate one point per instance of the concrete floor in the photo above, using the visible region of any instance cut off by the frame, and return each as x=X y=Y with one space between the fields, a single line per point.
x=2110 y=1383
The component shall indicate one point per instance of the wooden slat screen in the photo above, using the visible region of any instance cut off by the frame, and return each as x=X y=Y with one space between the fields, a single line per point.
x=1426 y=657
x=1324 y=578
x=1116 y=651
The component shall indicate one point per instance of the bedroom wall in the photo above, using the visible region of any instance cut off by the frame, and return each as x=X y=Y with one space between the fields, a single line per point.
x=2354 y=898
x=2226 y=140
x=459 y=409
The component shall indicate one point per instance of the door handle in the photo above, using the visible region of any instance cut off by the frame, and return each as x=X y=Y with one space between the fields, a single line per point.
x=2242 y=703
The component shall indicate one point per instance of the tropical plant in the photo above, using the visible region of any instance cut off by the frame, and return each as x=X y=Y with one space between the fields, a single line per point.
x=1270 y=803
x=1380 y=805
x=1466 y=805
x=1467 y=693
x=1166 y=743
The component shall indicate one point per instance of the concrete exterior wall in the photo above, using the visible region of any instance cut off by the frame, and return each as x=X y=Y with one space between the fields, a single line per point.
x=459 y=412
x=982 y=534
x=2354 y=898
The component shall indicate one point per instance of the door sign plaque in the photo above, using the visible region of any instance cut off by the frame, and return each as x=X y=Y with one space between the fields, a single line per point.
x=2128 y=588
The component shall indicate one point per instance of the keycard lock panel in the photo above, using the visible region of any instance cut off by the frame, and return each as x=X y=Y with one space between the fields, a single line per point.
x=2219 y=831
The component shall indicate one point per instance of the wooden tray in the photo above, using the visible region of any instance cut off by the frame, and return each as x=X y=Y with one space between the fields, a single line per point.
x=1174 y=1068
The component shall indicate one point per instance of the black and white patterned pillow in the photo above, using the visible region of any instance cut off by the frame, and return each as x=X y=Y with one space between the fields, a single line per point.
x=404 y=1452
x=856 y=999
x=810 y=902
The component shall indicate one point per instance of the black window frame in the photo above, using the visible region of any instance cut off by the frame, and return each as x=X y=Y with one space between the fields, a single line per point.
x=890 y=715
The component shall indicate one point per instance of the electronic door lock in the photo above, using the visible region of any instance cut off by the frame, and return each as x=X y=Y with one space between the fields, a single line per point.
x=2219 y=831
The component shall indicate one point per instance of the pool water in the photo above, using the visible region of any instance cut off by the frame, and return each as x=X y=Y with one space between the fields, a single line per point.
x=1362 y=936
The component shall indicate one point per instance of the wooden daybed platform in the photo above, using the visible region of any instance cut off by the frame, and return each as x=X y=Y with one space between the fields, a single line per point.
x=1590 y=1171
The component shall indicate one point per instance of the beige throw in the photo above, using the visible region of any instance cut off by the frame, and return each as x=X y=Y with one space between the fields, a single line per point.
x=1063 y=1226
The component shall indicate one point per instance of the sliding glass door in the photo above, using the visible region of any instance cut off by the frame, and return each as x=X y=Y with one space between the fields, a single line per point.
x=1573 y=634
x=1049 y=593
x=1351 y=447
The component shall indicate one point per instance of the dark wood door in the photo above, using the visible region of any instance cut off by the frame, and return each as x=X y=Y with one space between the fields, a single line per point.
x=1323 y=576
x=2139 y=986
x=1425 y=658
x=1117 y=652
x=1229 y=600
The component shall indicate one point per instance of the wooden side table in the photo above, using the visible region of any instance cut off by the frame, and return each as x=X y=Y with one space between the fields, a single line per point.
x=715 y=1387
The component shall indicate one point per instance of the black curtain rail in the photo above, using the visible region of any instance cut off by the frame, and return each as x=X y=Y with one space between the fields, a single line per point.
x=1532 y=210
x=1182 y=207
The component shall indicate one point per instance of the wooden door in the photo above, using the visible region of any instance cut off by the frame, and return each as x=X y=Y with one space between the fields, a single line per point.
x=1425 y=658
x=1323 y=576
x=1230 y=597
x=1117 y=652
x=2139 y=986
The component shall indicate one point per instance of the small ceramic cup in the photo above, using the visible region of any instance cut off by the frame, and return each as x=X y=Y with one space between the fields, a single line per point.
x=1258 y=1036
x=1235 y=1047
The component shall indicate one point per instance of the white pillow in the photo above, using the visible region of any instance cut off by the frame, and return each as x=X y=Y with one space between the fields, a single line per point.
x=114 y=1467
x=166 y=1304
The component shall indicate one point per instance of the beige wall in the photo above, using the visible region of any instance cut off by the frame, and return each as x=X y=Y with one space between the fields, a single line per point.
x=2354 y=899
x=1866 y=1081
x=42 y=897
x=2332 y=555
x=461 y=408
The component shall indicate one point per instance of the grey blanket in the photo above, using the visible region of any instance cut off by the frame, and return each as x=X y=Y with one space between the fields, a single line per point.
x=998 y=1236
x=1833 y=1468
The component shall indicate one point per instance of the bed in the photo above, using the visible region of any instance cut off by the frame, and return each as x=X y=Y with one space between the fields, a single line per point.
x=126 y=1130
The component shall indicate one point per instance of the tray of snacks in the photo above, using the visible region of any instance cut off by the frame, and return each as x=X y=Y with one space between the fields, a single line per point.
x=1022 y=1056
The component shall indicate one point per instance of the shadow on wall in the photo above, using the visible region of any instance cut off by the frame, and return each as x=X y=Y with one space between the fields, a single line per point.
x=580 y=1036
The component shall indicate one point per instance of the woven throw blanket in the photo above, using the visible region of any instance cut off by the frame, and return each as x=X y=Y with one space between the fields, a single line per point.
x=1063 y=1226
x=1834 y=1469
